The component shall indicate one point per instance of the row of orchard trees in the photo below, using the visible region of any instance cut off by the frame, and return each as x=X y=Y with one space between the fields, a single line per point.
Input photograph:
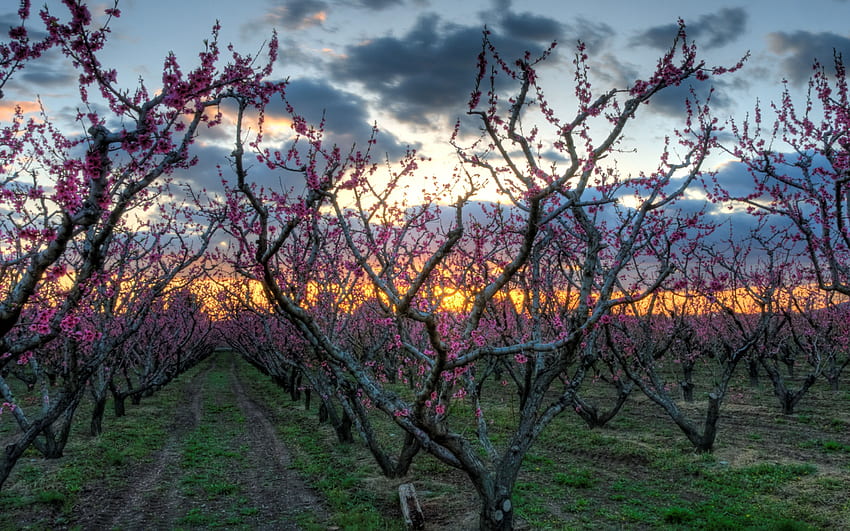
x=96 y=256
x=415 y=312
x=408 y=310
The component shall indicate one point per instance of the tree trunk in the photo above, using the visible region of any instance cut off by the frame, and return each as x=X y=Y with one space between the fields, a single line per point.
x=343 y=429
x=411 y=510
x=790 y=365
x=687 y=390
x=294 y=382
x=687 y=383
x=497 y=513
x=280 y=381
x=591 y=414
x=391 y=468
x=118 y=404
x=56 y=433
x=96 y=425
x=753 y=372
x=833 y=382
x=790 y=399
x=14 y=451
x=712 y=415
x=341 y=425
x=787 y=402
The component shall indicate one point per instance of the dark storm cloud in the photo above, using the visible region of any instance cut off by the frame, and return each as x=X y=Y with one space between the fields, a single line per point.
x=801 y=48
x=418 y=74
x=685 y=207
x=712 y=30
x=594 y=34
x=544 y=29
x=735 y=178
x=430 y=70
x=738 y=182
x=501 y=6
x=205 y=174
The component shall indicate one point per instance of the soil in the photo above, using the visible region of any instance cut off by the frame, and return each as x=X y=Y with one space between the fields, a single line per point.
x=156 y=500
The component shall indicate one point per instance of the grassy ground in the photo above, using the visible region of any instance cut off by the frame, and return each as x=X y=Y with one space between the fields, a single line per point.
x=42 y=494
x=769 y=471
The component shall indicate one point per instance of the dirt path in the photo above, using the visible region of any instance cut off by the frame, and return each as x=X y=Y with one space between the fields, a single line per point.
x=276 y=489
x=152 y=498
x=267 y=493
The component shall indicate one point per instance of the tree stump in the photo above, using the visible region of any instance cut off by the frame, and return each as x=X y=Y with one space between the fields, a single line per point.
x=410 y=508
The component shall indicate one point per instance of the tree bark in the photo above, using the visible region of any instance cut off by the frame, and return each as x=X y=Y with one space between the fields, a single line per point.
x=119 y=405
x=14 y=451
x=497 y=512
x=96 y=425
x=753 y=372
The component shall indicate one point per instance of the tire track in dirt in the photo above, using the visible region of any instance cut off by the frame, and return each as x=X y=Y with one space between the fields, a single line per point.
x=275 y=488
x=152 y=498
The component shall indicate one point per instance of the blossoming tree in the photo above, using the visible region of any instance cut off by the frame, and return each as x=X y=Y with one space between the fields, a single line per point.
x=434 y=278
x=65 y=192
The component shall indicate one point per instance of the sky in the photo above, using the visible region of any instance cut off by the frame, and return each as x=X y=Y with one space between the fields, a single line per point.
x=409 y=65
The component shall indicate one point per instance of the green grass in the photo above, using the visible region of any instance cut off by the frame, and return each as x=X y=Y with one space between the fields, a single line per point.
x=211 y=455
x=835 y=446
x=638 y=472
x=37 y=484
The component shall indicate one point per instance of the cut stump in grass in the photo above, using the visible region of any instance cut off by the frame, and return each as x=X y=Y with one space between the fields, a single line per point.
x=410 y=508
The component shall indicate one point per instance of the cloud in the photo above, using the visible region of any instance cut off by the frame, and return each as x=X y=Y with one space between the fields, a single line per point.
x=298 y=14
x=46 y=76
x=379 y=4
x=531 y=26
x=710 y=31
x=347 y=124
x=417 y=75
x=429 y=71
x=50 y=71
x=12 y=20
x=346 y=119
x=213 y=159
x=801 y=48
x=292 y=52
x=671 y=100
x=735 y=179
x=7 y=109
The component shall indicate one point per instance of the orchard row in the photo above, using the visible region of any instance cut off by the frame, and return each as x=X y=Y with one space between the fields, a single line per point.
x=417 y=312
